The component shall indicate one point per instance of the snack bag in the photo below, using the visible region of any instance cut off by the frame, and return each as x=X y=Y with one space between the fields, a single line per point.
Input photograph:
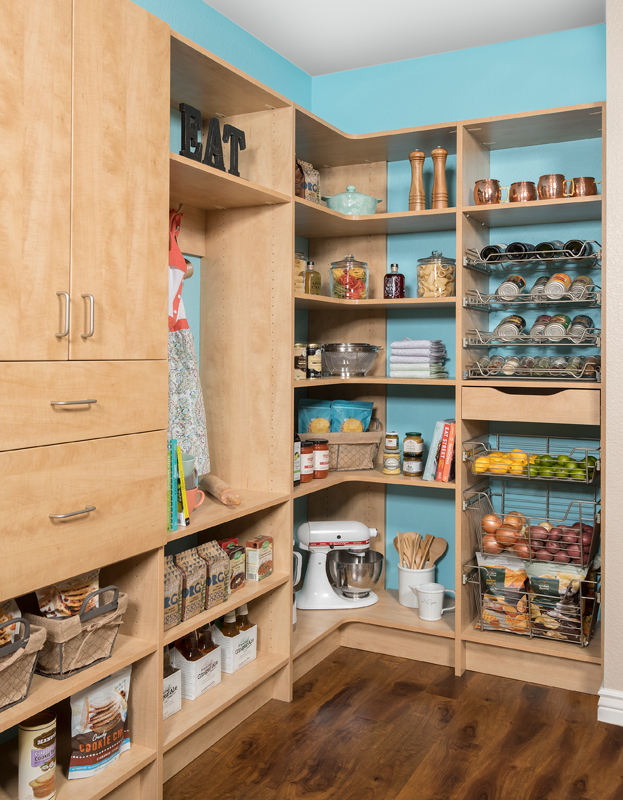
x=504 y=583
x=350 y=417
x=173 y=579
x=218 y=573
x=194 y=586
x=314 y=416
x=8 y=611
x=555 y=600
x=65 y=598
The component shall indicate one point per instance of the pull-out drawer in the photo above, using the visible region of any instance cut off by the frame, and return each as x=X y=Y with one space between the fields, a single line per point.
x=514 y=404
x=45 y=402
x=124 y=479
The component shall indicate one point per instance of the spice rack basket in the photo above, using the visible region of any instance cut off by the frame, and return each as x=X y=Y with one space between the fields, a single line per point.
x=481 y=301
x=586 y=373
x=590 y=337
x=502 y=262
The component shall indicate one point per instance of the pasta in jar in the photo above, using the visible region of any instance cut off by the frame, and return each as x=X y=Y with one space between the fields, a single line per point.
x=436 y=276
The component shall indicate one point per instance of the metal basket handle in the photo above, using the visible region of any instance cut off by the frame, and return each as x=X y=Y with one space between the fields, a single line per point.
x=102 y=608
x=12 y=647
x=378 y=426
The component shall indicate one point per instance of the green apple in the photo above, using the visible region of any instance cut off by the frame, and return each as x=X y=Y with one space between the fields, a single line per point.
x=563 y=473
x=563 y=459
x=532 y=470
x=546 y=472
x=592 y=461
x=546 y=460
x=577 y=474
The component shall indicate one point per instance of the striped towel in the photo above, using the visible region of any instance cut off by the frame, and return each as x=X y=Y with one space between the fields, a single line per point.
x=406 y=344
x=418 y=374
x=417 y=359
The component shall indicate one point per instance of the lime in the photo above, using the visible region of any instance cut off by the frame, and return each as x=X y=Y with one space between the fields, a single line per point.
x=577 y=474
x=592 y=461
x=546 y=472
x=546 y=460
x=563 y=459
x=532 y=470
x=562 y=473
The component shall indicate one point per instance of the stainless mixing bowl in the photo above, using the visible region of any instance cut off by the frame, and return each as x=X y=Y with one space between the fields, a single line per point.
x=349 y=359
x=355 y=574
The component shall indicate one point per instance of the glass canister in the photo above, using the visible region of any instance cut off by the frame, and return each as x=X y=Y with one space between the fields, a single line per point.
x=349 y=279
x=436 y=276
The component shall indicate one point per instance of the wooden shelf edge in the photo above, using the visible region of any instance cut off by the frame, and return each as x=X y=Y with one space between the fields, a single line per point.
x=45 y=692
x=533 y=384
x=558 y=201
x=311 y=301
x=250 y=591
x=231 y=689
x=375 y=379
x=367 y=476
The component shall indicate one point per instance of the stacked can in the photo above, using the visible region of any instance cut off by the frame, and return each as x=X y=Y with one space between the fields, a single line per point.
x=557 y=286
x=558 y=327
x=511 y=287
x=538 y=329
x=580 y=326
x=510 y=327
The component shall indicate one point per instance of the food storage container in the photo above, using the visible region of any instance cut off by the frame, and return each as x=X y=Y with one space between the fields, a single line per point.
x=352 y=202
x=349 y=278
x=436 y=276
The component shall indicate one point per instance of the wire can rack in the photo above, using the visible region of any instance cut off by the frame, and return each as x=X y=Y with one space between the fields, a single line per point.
x=589 y=370
x=505 y=262
x=589 y=337
x=574 y=516
x=484 y=301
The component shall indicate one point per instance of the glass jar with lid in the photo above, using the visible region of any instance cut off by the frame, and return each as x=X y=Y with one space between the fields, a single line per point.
x=349 y=279
x=436 y=276
x=413 y=442
x=300 y=266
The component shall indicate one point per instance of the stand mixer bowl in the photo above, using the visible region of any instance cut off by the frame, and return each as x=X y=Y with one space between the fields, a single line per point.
x=355 y=574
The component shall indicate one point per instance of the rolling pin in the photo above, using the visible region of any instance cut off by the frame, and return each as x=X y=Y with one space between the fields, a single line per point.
x=219 y=489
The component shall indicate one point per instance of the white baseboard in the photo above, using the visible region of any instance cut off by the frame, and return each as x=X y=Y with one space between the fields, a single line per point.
x=610 y=707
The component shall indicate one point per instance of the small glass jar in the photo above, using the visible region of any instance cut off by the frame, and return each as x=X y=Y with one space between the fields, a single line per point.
x=391 y=462
x=307 y=462
x=314 y=361
x=391 y=440
x=300 y=265
x=321 y=458
x=413 y=443
x=436 y=276
x=349 y=279
x=412 y=465
x=313 y=282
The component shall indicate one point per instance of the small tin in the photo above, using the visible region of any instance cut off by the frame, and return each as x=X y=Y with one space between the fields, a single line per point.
x=575 y=364
x=300 y=361
x=538 y=328
x=496 y=364
x=541 y=366
x=510 y=327
x=511 y=287
x=558 y=328
x=580 y=326
x=539 y=286
x=558 y=364
x=557 y=286
x=314 y=361
x=581 y=286
x=510 y=365
x=483 y=362
x=526 y=365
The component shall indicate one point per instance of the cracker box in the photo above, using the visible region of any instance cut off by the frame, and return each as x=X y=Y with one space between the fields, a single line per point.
x=238 y=651
x=259 y=558
x=198 y=676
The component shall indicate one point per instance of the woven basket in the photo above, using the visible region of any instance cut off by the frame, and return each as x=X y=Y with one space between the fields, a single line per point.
x=17 y=662
x=76 y=643
x=351 y=451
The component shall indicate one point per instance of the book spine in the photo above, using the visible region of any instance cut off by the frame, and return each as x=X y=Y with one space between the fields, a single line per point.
x=431 y=461
x=443 y=451
x=450 y=452
x=173 y=486
x=169 y=486
x=181 y=482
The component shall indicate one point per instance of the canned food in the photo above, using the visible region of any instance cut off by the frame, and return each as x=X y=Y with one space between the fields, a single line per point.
x=300 y=361
x=539 y=286
x=314 y=361
x=483 y=362
x=510 y=327
x=496 y=364
x=558 y=285
x=510 y=365
x=575 y=364
x=541 y=366
x=558 y=327
x=580 y=326
x=538 y=328
x=558 y=365
x=526 y=365
x=511 y=287
x=580 y=286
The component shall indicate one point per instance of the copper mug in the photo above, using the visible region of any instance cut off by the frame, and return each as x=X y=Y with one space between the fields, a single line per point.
x=584 y=187
x=488 y=192
x=522 y=192
x=552 y=186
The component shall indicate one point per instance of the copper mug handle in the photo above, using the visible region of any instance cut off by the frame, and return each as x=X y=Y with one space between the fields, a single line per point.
x=569 y=193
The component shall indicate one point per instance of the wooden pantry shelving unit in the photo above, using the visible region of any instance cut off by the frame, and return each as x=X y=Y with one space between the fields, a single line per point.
x=243 y=229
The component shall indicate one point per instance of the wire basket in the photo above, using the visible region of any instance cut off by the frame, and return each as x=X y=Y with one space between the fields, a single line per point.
x=351 y=451
x=589 y=337
x=492 y=301
x=505 y=262
x=589 y=369
x=77 y=643
x=17 y=661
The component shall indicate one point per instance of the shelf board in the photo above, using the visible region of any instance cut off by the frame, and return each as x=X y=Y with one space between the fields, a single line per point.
x=92 y=788
x=196 y=713
x=312 y=626
x=534 y=384
x=366 y=476
x=313 y=302
x=250 y=591
x=375 y=379
x=210 y=84
x=567 y=209
x=313 y=221
x=548 y=647
x=208 y=188
x=212 y=512
x=45 y=692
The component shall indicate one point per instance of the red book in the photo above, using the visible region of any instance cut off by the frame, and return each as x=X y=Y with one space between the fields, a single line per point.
x=450 y=452
x=443 y=450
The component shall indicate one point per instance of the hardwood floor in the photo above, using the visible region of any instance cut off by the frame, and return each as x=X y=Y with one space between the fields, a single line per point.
x=364 y=726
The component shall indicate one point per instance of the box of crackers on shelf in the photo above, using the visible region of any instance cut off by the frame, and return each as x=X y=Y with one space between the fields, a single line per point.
x=81 y=621
x=20 y=644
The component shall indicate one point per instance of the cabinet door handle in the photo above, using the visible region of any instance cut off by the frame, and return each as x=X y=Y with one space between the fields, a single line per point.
x=72 y=402
x=85 y=510
x=91 y=318
x=66 y=331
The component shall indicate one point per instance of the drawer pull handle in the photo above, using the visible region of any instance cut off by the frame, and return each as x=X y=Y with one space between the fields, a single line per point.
x=85 y=510
x=64 y=333
x=91 y=317
x=72 y=402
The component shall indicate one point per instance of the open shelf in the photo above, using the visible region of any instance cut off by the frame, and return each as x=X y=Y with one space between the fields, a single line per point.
x=375 y=379
x=45 y=692
x=210 y=189
x=312 y=626
x=313 y=221
x=250 y=591
x=196 y=713
x=212 y=512
x=366 y=476
x=314 y=302
x=537 y=212
x=549 y=647
x=92 y=788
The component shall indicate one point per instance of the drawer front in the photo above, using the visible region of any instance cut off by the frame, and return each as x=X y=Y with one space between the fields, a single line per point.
x=132 y=397
x=565 y=406
x=125 y=478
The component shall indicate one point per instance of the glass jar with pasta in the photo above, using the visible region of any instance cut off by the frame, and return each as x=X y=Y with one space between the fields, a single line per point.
x=349 y=279
x=436 y=276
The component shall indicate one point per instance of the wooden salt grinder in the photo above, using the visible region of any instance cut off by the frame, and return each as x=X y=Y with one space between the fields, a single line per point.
x=440 y=190
x=417 y=199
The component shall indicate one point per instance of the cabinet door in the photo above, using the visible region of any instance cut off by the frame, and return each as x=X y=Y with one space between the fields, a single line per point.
x=120 y=182
x=35 y=170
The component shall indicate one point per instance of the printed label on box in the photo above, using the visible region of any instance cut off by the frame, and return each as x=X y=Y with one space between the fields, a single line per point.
x=198 y=676
x=237 y=651
x=172 y=694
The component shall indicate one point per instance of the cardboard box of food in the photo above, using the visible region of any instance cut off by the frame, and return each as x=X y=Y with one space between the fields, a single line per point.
x=198 y=676
x=237 y=651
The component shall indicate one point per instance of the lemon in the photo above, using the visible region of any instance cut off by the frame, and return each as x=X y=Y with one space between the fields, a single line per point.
x=516 y=469
x=498 y=469
x=519 y=458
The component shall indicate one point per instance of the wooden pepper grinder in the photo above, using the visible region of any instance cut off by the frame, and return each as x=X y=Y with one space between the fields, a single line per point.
x=440 y=190
x=417 y=199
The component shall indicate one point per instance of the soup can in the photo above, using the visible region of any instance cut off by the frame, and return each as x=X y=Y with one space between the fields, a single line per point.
x=511 y=287
x=541 y=366
x=580 y=286
x=557 y=286
x=510 y=365
x=496 y=364
x=538 y=328
x=300 y=361
x=510 y=327
x=558 y=327
x=539 y=286
x=37 y=757
x=580 y=326
x=575 y=364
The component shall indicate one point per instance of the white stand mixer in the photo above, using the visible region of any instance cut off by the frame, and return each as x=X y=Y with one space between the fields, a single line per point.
x=321 y=538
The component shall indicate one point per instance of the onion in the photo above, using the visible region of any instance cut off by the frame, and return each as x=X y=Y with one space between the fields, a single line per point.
x=587 y=528
x=543 y=555
x=547 y=525
x=538 y=532
x=554 y=535
x=506 y=535
x=562 y=558
x=587 y=538
x=490 y=545
x=515 y=519
x=552 y=547
x=522 y=549
x=576 y=526
x=490 y=523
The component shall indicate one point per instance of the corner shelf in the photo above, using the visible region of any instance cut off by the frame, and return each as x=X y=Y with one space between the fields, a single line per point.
x=313 y=302
x=537 y=212
x=366 y=476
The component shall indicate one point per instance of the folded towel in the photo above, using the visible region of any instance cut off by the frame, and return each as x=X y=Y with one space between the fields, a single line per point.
x=418 y=374
x=438 y=352
x=417 y=359
x=407 y=343
x=417 y=368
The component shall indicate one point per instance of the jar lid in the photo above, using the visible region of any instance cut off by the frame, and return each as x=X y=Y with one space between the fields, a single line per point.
x=349 y=261
x=310 y=264
x=437 y=257
x=319 y=441
x=307 y=443
x=413 y=433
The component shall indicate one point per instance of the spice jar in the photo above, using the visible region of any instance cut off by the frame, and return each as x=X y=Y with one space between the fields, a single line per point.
x=436 y=276
x=413 y=443
x=349 y=278
x=321 y=458
x=391 y=462
x=412 y=466
x=307 y=462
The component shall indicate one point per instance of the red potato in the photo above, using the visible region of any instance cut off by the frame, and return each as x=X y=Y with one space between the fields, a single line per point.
x=570 y=538
x=552 y=547
x=587 y=538
x=562 y=558
x=543 y=555
x=554 y=535
x=573 y=551
x=538 y=532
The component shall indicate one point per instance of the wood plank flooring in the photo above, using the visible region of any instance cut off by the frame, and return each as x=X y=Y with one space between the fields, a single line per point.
x=365 y=726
